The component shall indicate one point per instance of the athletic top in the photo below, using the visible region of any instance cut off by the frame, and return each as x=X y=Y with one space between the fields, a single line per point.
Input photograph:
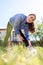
x=18 y=21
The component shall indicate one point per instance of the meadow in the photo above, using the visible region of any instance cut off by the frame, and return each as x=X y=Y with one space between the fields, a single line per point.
x=21 y=55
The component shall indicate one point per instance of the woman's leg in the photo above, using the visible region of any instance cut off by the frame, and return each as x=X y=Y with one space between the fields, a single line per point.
x=25 y=41
x=8 y=32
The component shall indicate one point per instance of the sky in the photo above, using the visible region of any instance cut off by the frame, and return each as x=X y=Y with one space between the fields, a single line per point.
x=9 y=8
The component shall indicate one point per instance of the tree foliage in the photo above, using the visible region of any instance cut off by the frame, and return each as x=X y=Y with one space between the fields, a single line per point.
x=38 y=37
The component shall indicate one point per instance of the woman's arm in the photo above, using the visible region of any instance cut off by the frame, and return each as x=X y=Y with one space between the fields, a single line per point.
x=27 y=36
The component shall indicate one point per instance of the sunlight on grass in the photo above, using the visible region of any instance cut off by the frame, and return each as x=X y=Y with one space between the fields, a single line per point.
x=21 y=55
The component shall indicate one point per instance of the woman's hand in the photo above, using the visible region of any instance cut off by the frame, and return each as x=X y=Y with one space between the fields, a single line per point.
x=29 y=43
x=20 y=37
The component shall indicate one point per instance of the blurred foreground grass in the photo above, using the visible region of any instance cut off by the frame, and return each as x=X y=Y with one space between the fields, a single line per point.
x=20 y=55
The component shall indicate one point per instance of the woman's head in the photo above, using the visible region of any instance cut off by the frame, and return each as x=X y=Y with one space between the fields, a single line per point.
x=31 y=18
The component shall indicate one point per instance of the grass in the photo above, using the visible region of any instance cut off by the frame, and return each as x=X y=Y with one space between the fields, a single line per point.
x=20 y=55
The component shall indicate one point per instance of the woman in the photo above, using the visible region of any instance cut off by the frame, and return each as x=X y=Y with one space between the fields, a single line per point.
x=21 y=21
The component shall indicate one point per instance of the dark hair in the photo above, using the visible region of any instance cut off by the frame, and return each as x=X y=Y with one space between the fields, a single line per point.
x=32 y=14
x=31 y=27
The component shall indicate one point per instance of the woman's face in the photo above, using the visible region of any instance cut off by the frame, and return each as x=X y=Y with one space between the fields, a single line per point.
x=30 y=18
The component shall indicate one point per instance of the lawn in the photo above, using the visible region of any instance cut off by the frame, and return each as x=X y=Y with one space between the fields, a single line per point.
x=21 y=55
